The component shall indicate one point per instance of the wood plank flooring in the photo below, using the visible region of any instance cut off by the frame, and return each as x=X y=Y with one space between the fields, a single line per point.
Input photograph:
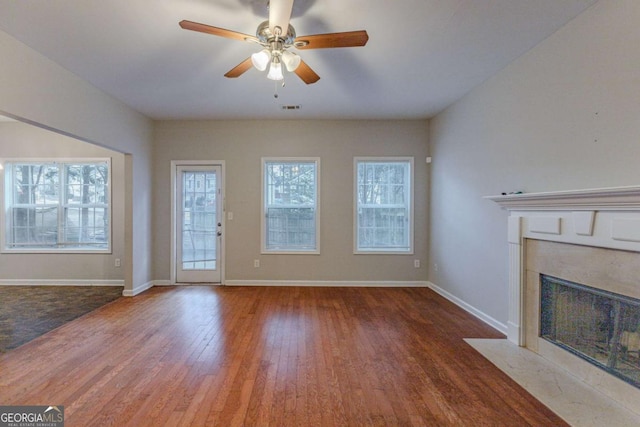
x=279 y=356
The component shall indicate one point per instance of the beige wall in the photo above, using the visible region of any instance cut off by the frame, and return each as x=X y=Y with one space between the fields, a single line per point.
x=564 y=116
x=22 y=141
x=39 y=91
x=242 y=144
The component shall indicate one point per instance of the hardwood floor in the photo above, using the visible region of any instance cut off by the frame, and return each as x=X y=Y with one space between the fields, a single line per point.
x=234 y=356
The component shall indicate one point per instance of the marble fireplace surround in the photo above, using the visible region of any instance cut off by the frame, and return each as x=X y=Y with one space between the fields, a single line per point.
x=587 y=236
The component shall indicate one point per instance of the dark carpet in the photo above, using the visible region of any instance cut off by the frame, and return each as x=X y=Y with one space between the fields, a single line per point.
x=26 y=312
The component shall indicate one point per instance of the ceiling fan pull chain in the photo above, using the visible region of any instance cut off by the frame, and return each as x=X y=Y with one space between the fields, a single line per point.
x=275 y=90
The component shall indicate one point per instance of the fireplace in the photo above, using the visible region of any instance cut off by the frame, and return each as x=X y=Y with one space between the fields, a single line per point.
x=584 y=243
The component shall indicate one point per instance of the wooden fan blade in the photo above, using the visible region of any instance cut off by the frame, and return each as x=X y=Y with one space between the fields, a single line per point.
x=208 y=29
x=239 y=69
x=306 y=73
x=323 y=41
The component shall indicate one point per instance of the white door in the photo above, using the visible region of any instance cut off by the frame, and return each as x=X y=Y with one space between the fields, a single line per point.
x=198 y=224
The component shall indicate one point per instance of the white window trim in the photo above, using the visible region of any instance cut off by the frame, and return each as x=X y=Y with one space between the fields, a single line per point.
x=3 y=207
x=384 y=251
x=263 y=216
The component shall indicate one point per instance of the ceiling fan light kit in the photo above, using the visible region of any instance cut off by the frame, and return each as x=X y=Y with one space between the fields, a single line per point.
x=291 y=60
x=261 y=59
x=275 y=70
x=275 y=44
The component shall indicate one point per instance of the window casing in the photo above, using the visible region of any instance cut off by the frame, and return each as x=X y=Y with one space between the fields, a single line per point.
x=383 y=207
x=57 y=206
x=290 y=200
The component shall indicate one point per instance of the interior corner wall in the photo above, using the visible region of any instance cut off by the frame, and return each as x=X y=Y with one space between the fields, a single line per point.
x=242 y=144
x=22 y=141
x=563 y=116
x=36 y=90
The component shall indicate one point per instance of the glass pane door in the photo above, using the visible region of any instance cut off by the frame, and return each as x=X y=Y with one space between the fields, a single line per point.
x=199 y=224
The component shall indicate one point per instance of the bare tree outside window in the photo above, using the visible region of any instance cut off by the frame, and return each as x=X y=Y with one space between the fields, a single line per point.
x=290 y=208
x=383 y=205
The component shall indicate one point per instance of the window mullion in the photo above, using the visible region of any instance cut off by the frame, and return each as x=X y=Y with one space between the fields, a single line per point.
x=62 y=190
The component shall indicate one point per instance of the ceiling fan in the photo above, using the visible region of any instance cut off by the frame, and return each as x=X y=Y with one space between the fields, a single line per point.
x=276 y=43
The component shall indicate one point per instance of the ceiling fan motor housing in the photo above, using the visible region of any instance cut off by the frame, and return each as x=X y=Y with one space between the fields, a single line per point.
x=265 y=35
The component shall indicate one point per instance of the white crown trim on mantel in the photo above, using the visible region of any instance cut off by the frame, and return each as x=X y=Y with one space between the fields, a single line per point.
x=618 y=198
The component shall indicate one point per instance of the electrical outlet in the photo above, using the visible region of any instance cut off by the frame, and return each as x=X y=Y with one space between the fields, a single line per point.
x=416 y=263
x=256 y=263
x=435 y=267
x=117 y=262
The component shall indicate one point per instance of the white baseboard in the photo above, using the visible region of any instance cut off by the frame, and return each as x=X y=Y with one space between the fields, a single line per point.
x=60 y=282
x=499 y=326
x=138 y=289
x=330 y=283
x=162 y=283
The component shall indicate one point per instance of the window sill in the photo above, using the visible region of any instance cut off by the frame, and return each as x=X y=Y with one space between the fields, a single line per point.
x=313 y=252
x=383 y=252
x=56 y=251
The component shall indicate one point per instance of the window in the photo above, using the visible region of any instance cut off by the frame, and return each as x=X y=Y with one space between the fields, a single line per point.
x=383 y=208
x=57 y=205
x=290 y=218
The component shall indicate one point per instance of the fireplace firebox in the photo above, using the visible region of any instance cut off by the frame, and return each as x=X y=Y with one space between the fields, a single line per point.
x=599 y=326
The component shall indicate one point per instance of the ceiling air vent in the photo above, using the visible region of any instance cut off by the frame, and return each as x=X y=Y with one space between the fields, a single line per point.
x=291 y=107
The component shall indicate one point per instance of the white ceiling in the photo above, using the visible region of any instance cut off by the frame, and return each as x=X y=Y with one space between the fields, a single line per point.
x=422 y=55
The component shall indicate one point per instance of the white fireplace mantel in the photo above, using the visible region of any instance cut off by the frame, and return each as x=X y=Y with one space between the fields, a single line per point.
x=602 y=217
x=618 y=198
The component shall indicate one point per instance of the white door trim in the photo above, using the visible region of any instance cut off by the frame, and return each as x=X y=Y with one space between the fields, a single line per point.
x=174 y=214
